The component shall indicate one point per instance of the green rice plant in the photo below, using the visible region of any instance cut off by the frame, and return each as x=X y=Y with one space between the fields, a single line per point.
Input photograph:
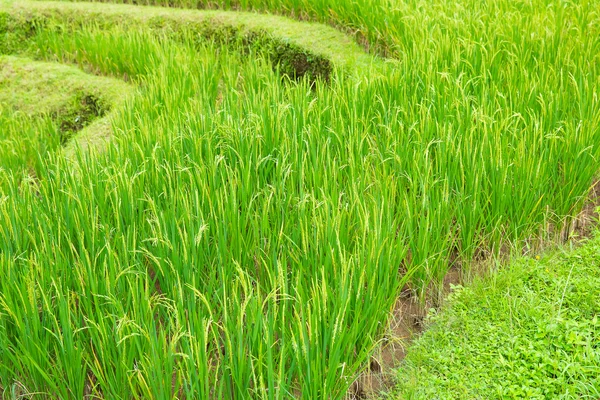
x=245 y=234
x=147 y=190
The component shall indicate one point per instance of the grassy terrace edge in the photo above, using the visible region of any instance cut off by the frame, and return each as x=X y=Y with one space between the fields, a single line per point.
x=299 y=48
x=296 y=48
x=74 y=106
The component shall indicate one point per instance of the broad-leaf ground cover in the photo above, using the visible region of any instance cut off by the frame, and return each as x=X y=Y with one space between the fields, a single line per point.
x=531 y=331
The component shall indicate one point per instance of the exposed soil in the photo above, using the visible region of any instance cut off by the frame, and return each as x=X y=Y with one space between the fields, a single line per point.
x=407 y=322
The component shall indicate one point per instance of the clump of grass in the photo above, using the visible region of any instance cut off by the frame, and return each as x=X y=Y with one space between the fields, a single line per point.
x=86 y=107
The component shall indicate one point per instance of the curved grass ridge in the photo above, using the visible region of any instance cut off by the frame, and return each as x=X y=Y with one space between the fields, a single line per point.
x=298 y=47
x=55 y=106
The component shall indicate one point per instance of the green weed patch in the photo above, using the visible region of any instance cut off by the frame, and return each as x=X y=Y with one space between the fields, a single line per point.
x=531 y=331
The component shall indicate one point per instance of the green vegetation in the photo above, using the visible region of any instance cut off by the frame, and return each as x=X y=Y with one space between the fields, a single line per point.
x=531 y=331
x=270 y=187
x=43 y=105
x=279 y=38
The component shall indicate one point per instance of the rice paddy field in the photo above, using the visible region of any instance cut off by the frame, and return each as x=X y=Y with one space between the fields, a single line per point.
x=226 y=199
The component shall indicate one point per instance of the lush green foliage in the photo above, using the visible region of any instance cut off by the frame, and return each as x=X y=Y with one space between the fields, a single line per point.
x=531 y=331
x=246 y=234
x=205 y=252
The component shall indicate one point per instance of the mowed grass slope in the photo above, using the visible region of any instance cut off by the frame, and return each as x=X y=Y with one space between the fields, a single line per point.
x=246 y=234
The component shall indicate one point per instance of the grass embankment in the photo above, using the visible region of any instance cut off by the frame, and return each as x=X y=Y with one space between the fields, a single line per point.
x=530 y=331
x=46 y=106
x=297 y=48
x=246 y=234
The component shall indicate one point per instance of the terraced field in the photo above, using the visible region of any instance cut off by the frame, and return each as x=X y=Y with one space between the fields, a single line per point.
x=228 y=203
